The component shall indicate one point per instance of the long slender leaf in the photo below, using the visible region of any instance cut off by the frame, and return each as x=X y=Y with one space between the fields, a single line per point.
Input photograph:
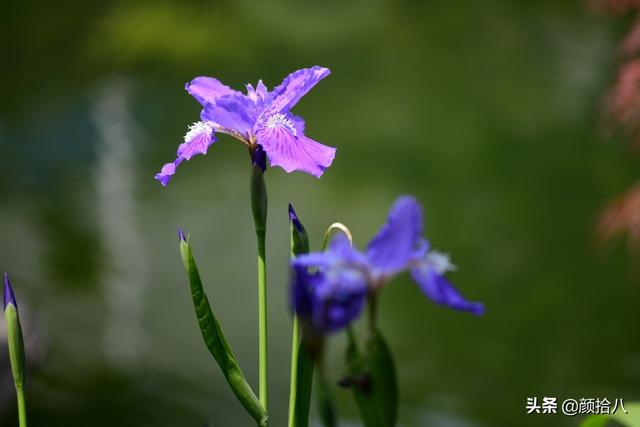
x=217 y=343
x=303 y=388
x=326 y=409
x=373 y=379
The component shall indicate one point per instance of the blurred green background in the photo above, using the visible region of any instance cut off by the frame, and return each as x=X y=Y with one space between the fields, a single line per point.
x=488 y=111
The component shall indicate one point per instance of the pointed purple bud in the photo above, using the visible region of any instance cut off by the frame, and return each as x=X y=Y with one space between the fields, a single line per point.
x=9 y=298
x=260 y=158
x=294 y=219
x=299 y=238
x=181 y=235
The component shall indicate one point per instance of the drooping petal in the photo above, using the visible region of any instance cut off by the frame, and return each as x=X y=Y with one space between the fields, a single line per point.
x=197 y=141
x=234 y=112
x=399 y=240
x=436 y=286
x=167 y=172
x=294 y=87
x=208 y=89
x=291 y=150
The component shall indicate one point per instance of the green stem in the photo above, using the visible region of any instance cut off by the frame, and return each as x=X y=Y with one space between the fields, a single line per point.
x=262 y=317
x=293 y=389
x=259 y=209
x=22 y=408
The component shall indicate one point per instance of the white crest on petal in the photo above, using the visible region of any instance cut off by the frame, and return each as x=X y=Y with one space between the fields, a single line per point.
x=196 y=129
x=282 y=121
x=439 y=262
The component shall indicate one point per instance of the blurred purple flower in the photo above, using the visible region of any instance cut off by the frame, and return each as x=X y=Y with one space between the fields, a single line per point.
x=333 y=292
x=258 y=119
x=333 y=295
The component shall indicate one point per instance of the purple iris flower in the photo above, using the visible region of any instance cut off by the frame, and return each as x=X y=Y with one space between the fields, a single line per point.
x=331 y=287
x=334 y=294
x=259 y=118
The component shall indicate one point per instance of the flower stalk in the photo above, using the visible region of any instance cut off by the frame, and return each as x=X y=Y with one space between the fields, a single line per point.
x=16 y=348
x=293 y=385
x=259 y=209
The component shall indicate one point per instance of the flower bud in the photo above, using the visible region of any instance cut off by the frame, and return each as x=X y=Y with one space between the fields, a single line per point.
x=299 y=238
x=14 y=334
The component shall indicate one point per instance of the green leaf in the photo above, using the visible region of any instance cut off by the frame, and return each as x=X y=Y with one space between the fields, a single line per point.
x=303 y=388
x=217 y=343
x=325 y=403
x=373 y=379
x=632 y=419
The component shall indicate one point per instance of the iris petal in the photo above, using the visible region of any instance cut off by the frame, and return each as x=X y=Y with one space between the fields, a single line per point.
x=342 y=251
x=208 y=89
x=333 y=295
x=196 y=141
x=234 y=112
x=167 y=172
x=298 y=124
x=259 y=94
x=294 y=87
x=441 y=291
x=339 y=253
x=331 y=300
x=399 y=240
x=291 y=150
x=338 y=299
x=313 y=259
x=301 y=290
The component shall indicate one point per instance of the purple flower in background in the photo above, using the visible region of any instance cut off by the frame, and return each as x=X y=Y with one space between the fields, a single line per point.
x=259 y=118
x=333 y=292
